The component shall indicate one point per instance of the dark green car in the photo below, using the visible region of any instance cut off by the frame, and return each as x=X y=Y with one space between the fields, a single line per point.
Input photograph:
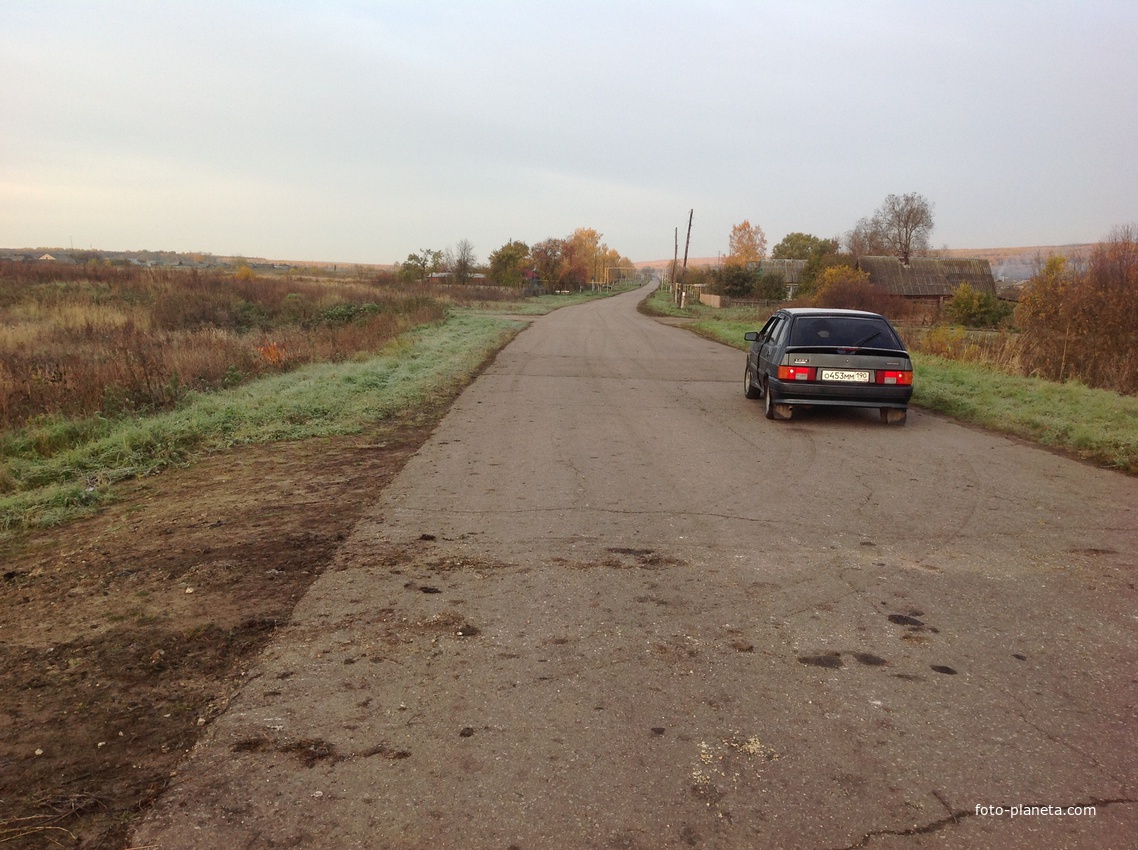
x=821 y=357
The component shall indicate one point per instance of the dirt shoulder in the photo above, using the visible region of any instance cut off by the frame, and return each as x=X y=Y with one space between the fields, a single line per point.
x=124 y=635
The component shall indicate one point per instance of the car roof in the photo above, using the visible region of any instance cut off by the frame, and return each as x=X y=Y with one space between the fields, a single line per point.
x=827 y=311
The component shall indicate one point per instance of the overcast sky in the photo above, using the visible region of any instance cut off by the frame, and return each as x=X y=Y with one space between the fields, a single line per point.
x=360 y=131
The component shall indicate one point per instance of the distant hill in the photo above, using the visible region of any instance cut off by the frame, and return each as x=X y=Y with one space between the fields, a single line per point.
x=1018 y=264
x=693 y=262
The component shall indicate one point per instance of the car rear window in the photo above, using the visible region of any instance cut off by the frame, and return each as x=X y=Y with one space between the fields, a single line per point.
x=844 y=332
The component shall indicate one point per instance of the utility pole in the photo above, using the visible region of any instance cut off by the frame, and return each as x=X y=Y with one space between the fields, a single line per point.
x=687 y=244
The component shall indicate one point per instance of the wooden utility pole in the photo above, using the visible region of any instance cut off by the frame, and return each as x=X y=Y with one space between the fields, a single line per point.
x=687 y=245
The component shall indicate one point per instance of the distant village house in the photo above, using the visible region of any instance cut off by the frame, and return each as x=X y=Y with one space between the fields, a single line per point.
x=928 y=282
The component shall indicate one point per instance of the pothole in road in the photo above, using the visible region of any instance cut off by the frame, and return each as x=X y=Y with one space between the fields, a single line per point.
x=904 y=620
x=833 y=660
x=914 y=624
x=646 y=558
x=828 y=660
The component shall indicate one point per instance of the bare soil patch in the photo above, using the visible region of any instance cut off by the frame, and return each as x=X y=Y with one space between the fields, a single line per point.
x=124 y=635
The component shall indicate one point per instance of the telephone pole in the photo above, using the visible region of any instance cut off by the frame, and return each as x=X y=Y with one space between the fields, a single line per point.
x=687 y=245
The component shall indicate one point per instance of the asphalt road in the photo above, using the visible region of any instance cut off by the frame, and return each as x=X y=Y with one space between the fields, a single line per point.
x=608 y=604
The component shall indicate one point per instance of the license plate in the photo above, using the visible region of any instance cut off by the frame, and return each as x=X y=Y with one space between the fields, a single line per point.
x=851 y=376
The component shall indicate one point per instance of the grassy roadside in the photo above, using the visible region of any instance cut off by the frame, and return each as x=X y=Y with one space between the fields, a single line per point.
x=1095 y=425
x=59 y=469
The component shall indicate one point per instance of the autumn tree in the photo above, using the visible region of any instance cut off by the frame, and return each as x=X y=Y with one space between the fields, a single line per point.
x=570 y=263
x=579 y=258
x=419 y=266
x=818 y=253
x=549 y=262
x=900 y=227
x=1079 y=322
x=510 y=264
x=865 y=240
x=746 y=245
x=848 y=288
x=461 y=263
x=586 y=258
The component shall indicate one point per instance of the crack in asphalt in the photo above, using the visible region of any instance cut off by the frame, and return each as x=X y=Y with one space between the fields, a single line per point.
x=1044 y=733
x=958 y=815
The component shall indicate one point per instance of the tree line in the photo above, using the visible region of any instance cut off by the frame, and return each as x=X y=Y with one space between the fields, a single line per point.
x=1073 y=319
x=552 y=265
x=900 y=227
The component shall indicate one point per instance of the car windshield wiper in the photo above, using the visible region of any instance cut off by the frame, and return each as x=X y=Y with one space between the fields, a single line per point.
x=864 y=341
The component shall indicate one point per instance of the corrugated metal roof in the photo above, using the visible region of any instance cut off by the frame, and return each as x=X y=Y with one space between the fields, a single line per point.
x=928 y=276
x=791 y=270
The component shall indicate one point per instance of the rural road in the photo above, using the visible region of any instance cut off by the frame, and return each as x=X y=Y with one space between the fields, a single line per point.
x=609 y=605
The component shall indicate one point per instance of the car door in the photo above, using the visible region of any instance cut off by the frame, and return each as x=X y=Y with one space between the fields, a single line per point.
x=768 y=345
x=756 y=346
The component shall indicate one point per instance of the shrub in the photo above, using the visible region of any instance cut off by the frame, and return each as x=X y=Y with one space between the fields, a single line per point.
x=1080 y=323
x=847 y=288
x=771 y=287
x=975 y=309
x=734 y=281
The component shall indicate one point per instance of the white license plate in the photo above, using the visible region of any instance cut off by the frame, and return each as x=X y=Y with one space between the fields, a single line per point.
x=852 y=376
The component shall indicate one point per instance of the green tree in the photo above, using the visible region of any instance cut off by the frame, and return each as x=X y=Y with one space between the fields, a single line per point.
x=803 y=246
x=975 y=309
x=510 y=264
x=771 y=286
x=819 y=254
x=735 y=281
x=419 y=266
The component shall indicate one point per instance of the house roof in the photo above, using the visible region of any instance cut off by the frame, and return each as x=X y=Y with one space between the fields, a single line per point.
x=790 y=270
x=928 y=276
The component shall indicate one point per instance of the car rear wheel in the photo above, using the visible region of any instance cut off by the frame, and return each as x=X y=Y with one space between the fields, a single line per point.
x=749 y=388
x=773 y=410
x=894 y=416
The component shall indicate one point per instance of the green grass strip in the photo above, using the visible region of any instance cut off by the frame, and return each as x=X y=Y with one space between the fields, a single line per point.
x=1097 y=425
x=423 y=366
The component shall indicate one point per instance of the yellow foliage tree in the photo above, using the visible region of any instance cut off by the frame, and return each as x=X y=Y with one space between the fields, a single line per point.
x=747 y=244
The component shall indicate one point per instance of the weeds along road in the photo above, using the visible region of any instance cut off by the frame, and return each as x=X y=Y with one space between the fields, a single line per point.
x=608 y=604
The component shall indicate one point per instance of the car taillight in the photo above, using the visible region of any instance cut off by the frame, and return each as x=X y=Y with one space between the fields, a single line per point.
x=894 y=376
x=796 y=373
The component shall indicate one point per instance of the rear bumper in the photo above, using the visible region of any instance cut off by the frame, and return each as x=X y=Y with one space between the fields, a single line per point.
x=839 y=395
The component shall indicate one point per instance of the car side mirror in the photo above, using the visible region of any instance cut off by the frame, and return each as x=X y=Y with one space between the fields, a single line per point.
x=751 y=336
